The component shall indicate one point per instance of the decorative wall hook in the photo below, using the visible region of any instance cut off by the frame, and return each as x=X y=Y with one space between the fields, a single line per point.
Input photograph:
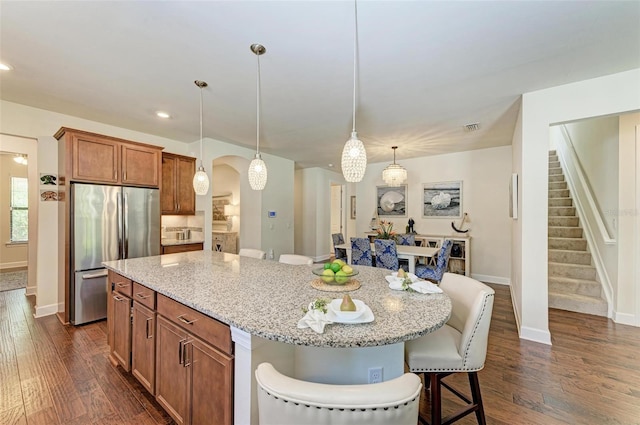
x=464 y=217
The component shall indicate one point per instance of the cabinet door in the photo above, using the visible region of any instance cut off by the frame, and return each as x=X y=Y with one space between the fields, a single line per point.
x=143 y=347
x=140 y=165
x=122 y=330
x=185 y=193
x=171 y=374
x=168 y=201
x=211 y=384
x=94 y=159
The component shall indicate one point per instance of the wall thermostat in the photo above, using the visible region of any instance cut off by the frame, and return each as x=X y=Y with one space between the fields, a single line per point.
x=272 y=214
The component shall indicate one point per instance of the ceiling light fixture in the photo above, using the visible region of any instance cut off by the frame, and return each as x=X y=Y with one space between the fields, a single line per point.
x=257 y=168
x=20 y=159
x=161 y=114
x=5 y=67
x=394 y=174
x=354 y=156
x=200 y=179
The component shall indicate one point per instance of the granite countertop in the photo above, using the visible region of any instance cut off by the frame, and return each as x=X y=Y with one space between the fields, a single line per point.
x=265 y=298
x=171 y=241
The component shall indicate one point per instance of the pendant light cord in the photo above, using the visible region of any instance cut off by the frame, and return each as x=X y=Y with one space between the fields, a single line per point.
x=201 y=163
x=258 y=107
x=355 y=48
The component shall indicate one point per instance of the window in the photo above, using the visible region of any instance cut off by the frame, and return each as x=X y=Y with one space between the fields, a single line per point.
x=19 y=210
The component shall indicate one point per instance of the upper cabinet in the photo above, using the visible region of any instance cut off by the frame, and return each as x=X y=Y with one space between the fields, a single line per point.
x=96 y=158
x=177 y=196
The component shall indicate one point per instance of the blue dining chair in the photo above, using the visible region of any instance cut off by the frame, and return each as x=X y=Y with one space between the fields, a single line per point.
x=386 y=253
x=338 y=239
x=406 y=239
x=434 y=274
x=361 y=252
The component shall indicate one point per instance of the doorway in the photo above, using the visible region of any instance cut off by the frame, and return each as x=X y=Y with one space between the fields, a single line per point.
x=337 y=211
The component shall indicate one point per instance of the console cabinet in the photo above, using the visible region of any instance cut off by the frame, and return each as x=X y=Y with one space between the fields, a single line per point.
x=172 y=249
x=177 y=196
x=181 y=356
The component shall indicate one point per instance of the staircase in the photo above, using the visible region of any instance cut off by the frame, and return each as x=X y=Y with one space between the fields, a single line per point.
x=573 y=284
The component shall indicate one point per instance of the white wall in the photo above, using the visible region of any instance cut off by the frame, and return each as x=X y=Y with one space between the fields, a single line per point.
x=485 y=175
x=313 y=193
x=596 y=144
x=611 y=94
x=627 y=308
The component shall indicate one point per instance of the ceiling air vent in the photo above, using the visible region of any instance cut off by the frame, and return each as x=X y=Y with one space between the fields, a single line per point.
x=471 y=127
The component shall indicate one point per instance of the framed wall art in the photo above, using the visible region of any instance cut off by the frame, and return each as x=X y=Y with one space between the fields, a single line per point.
x=442 y=200
x=391 y=201
x=353 y=208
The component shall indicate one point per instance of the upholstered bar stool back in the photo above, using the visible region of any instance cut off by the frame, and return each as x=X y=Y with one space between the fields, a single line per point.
x=253 y=253
x=286 y=401
x=459 y=346
x=295 y=259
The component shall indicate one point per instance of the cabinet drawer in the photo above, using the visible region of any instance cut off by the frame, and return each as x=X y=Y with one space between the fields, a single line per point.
x=121 y=284
x=144 y=295
x=210 y=330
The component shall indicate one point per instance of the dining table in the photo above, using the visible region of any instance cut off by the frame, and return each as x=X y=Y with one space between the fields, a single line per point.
x=405 y=252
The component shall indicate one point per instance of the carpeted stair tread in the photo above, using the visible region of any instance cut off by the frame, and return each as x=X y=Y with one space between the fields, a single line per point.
x=578 y=303
x=567 y=285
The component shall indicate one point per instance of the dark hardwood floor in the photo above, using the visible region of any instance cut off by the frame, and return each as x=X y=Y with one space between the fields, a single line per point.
x=55 y=374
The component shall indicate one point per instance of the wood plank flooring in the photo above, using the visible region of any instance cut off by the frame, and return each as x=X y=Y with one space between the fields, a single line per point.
x=55 y=374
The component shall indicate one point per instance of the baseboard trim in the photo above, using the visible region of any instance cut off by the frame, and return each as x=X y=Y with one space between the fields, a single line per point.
x=31 y=290
x=535 y=335
x=46 y=310
x=626 y=319
x=321 y=258
x=492 y=279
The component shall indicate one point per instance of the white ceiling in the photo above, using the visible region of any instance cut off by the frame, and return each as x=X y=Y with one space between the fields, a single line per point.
x=426 y=67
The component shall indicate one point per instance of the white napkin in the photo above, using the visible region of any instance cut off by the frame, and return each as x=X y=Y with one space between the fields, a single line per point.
x=425 y=287
x=422 y=286
x=314 y=319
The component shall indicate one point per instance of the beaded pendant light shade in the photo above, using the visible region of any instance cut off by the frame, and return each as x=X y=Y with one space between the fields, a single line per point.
x=257 y=168
x=200 y=179
x=394 y=174
x=354 y=156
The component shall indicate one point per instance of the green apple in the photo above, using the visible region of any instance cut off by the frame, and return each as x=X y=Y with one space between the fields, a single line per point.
x=336 y=267
x=341 y=277
x=327 y=275
x=327 y=266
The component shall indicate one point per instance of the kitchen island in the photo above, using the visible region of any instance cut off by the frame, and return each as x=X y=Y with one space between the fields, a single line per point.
x=261 y=301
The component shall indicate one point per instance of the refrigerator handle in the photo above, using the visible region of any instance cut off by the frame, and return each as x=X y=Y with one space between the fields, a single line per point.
x=125 y=247
x=120 y=230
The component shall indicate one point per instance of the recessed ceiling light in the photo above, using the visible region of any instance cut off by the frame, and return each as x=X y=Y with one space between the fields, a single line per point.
x=330 y=165
x=5 y=67
x=162 y=114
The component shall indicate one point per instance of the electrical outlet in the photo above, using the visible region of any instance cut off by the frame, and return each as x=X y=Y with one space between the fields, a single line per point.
x=375 y=375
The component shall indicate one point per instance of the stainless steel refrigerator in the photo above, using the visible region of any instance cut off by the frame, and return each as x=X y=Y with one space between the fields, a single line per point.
x=107 y=223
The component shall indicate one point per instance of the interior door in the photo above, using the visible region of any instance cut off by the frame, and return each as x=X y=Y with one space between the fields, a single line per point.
x=336 y=210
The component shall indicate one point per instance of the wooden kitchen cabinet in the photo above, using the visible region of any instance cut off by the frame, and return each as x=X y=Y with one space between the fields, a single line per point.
x=177 y=196
x=172 y=249
x=143 y=346
x=205 y=367
x=121 y=346
x=96 y=158
x=183 y=357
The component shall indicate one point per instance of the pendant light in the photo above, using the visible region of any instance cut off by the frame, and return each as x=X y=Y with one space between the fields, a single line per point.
x=354 y=156
x=394 y=174
x=200 y=179
x=20 y=159
x=257 y=168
